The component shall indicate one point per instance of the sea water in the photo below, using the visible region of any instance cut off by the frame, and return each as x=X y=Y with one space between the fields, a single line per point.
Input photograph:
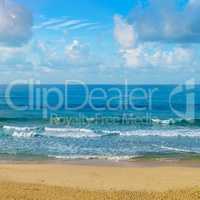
x=98 y=121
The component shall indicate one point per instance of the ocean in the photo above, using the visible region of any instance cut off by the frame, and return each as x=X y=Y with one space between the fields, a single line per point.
x=115 y=122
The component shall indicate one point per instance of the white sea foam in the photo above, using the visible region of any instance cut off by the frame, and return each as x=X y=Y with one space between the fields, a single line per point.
x=22 y=134
x=110 y=133
x=175 y=149
x=90 y=157
x=173 y=121
x=17 y=131
x=163 y=122
x=70 y=132
x=18 y=128
x=162 y=133
x=67 y=132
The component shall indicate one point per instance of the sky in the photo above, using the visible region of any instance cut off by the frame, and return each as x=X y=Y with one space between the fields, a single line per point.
x=100 y=41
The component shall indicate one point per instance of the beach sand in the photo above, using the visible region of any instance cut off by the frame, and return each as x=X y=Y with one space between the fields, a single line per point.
x=73 y=181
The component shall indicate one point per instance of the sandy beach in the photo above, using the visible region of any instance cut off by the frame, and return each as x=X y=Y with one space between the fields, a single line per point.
x=76 y=181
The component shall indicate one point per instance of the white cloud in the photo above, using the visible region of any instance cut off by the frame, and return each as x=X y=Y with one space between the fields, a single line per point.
x=75 y=52
x=151 y=37
x=163 y=21
x=15 y=24
x=46 y=56
x=123 y=32
x=47 y=23
x=148 y=56
x=132 y=57
x=83 y=25
x=63 y=23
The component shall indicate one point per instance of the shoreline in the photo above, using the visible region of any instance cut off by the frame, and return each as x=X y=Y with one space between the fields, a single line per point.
x=137 y=163
x=149 y=160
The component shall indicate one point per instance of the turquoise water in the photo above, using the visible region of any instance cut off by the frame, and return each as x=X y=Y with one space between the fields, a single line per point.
x=105 y=122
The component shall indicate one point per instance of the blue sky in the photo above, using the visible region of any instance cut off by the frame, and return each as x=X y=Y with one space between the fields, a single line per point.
x=100 y=41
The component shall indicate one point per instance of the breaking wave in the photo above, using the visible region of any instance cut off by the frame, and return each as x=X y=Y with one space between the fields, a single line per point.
x=68 y=132
x=88 y=157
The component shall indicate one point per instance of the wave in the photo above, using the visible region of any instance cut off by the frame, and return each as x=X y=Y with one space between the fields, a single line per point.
x=162 y=133
x=107 y=133
x=87 y=133
x=132 y=120
x=27 y=132
x=173 y=149
x=90 y=157
x=21 y=132
x=70 y=132
x=127 y=120
x=178 y=122
x=18 y=128
x=67 y=129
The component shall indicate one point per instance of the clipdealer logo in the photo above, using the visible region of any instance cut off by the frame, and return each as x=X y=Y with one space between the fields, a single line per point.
x=188 y=89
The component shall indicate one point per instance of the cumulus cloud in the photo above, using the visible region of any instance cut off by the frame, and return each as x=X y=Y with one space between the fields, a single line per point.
x=156 y=56
x=123 y=32
x=47 y=56
x=15 y=24
x=133 y=58
x=76 y=51
x=153 y=35
x=165 y=21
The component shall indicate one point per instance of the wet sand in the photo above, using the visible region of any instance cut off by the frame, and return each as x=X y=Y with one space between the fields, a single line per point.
x=76 y=181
